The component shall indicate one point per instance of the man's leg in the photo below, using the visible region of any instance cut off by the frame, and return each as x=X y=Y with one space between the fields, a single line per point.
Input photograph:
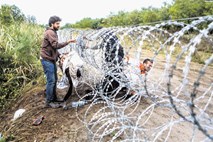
x=50 y=76
x=55 y=84
x=69 y=93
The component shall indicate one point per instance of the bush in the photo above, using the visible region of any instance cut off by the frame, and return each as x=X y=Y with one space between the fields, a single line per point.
x=19 y=58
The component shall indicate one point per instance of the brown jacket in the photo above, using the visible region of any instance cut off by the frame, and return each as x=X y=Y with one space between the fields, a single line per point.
x=50 y=45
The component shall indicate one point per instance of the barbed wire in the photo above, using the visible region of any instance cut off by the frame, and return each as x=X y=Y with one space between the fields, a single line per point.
x=129 y=106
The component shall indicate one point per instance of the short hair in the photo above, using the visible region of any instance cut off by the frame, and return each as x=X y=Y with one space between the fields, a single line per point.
x=54 y=19
x=147 y=60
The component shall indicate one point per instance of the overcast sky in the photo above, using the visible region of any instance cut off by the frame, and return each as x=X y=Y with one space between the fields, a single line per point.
x=71 y=11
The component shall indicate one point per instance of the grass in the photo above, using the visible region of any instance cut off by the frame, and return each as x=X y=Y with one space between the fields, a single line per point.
x=19 y=59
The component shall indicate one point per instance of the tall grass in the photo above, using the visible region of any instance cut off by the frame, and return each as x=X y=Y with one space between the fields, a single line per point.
x=19 y=58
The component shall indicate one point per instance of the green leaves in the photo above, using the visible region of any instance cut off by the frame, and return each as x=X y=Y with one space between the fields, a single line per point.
x=19 y=53
x=11 y=14
x=86 y=23
x=178 y=10
x=187 y=8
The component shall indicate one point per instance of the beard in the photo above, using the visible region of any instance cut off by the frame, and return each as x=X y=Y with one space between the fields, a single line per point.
x=147 y=68
x=56 y=28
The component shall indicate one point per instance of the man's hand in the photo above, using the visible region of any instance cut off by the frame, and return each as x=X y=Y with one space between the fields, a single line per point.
x=71 y=41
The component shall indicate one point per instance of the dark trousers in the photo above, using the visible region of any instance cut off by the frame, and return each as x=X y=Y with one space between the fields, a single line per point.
x=69 y=92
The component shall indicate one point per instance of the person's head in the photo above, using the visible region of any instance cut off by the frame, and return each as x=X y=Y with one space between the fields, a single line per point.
x=148 y=64
x=54 y=22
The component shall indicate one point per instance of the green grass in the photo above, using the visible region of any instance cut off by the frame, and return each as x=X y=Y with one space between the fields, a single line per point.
x=20 y=64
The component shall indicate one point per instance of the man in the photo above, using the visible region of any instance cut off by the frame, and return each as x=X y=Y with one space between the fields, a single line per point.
x=146 y=66
x=49 y=56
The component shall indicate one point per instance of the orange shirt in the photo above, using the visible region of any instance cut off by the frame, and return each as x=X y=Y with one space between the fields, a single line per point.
x=142 y=68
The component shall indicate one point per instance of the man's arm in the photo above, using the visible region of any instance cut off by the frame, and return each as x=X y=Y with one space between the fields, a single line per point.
x=52 y=38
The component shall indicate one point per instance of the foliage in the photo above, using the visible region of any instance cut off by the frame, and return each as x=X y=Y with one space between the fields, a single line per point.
x=177 y=10
x=2 y=140
x=187 y=8
x=86 y=22
x=19 y=53
x=10 y=14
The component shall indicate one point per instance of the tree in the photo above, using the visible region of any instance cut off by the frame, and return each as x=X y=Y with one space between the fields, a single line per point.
x=150 y=15
x=208 y=8
x=11 y=14
x=134 y=18
x=187 y=8
x=177 y=10
x=84 y=23
x=164 y=12
x=17 y=14
x=119 y=19
x=31 y=19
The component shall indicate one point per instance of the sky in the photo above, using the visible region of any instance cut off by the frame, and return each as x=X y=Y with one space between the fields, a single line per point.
x=72 y=11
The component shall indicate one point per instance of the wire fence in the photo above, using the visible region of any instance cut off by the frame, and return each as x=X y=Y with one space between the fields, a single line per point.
x=171 y=101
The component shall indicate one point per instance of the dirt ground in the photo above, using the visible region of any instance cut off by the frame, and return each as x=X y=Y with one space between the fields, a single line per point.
x=61 y=125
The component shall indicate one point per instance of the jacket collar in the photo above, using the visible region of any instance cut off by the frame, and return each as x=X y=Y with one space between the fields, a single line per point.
x=49 y=28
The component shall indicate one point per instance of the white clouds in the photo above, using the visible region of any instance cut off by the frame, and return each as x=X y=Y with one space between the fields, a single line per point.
x=73 y=10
